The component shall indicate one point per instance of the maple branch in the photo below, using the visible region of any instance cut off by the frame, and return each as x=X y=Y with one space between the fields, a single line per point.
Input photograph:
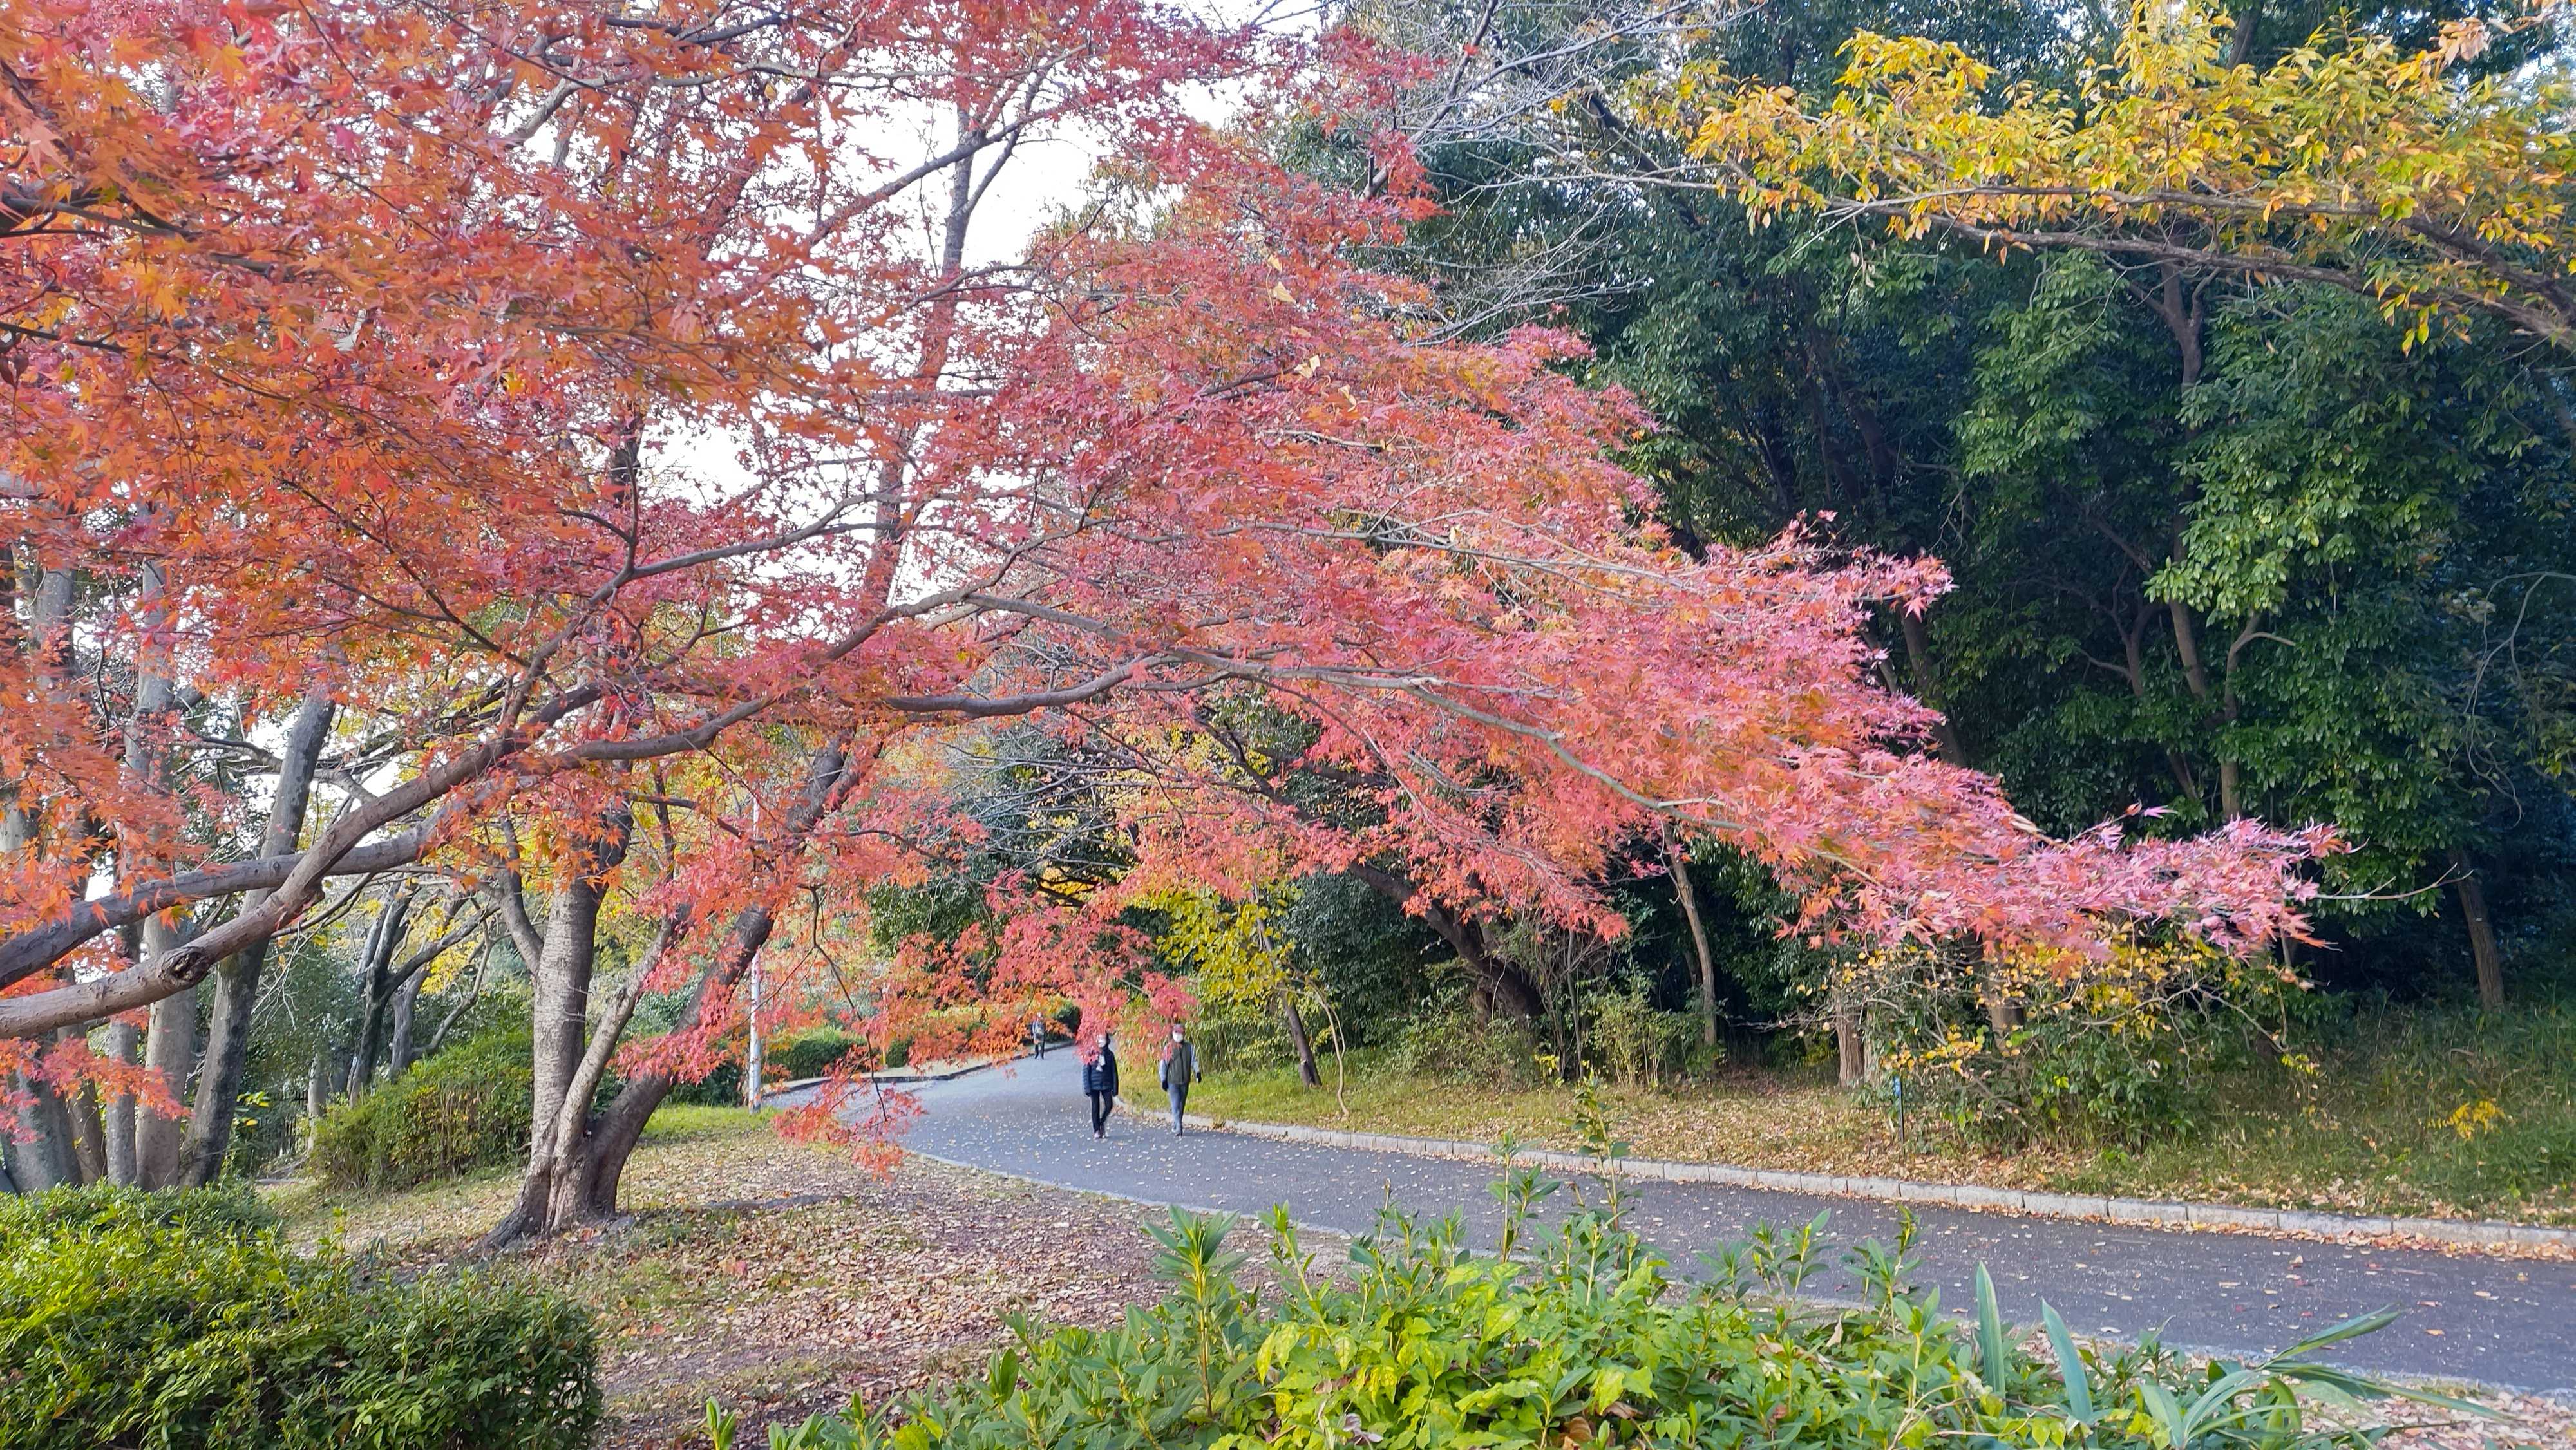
x=510 y=889
x=181 y=967
x=1430 y=690
x=974 y=144
x=27 y=952
x=979 y=707
x=551 y=102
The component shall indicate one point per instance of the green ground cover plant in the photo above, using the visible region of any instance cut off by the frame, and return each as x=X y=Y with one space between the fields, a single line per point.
x=228 y=1208
x=1588 y=1339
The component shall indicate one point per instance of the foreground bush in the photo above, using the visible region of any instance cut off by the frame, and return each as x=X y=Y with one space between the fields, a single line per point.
x=464 y=1109
x=1589 y=1343
x=176 y=1321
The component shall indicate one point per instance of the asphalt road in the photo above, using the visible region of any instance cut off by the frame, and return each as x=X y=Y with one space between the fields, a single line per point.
x=2499 y=1321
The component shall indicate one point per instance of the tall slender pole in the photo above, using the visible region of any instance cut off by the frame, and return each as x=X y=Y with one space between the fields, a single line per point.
x=751 y=1055
x=751 y=1059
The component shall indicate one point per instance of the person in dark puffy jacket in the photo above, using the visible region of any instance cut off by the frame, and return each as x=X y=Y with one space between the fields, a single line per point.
x=1100 y=1084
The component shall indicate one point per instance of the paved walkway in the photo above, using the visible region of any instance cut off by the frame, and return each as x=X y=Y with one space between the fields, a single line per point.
x=2507 y=1322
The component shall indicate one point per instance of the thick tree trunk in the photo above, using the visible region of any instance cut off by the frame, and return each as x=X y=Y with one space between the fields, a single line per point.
x=561 y=983
x=398 y=992
x=559 y=980
x=89 y=1134
x=1299 y=1039
x=375 y=998
x=1850 y=1052
x=1679 y=857
x=170 y=1036
x=170 y=1050
x=43 y=1150
x=2003 y=1014
x=576 y=1185
x=1918 y=658
x=365 y=1046
x=580 y=1183
x=45 y=1156
x=371 y=971
x=1511 y=990
x=317 y=1086
x=2482 y=943
x=1506 y=987
x=235 y=991
x=398 y=1045
x=2220 y=707
x=236 y=981
x=124 y=1040
x=2247 y=16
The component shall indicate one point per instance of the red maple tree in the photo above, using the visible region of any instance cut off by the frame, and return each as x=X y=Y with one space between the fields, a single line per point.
x=370 y=353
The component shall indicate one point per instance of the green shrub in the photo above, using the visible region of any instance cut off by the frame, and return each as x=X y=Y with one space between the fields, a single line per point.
x=176 y=1324
x=809 y=1053
x=2061 y=1077
x=1444 y=1041
x=464 y=1109
x=1632 y=1041
x=1589 y=1343
x=2120 y=1052
x=230 y=1208
x=720 y=1088
x=1241 y=1037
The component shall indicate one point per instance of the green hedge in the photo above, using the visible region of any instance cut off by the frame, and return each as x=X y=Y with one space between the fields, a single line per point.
x=158 y=1325
x=810 y=1053
x=464 y=1109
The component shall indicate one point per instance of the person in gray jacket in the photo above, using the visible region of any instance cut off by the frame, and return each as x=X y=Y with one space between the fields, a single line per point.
x=1180 y=1069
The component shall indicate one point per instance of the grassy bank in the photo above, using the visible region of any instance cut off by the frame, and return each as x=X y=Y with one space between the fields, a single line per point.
x=2389 y=1121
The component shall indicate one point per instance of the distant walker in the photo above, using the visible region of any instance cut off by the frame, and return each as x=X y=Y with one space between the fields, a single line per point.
x=1180 y=1069
x=1100 y=1084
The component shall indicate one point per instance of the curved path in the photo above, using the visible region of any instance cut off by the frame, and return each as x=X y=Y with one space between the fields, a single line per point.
x=2499 y=1321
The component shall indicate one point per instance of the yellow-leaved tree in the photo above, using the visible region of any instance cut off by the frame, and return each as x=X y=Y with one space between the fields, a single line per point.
x=1239 y=958
x=2348 y=160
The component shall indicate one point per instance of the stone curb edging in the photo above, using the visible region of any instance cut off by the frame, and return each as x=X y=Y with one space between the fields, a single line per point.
x=896 y=1077
x=2479 y=1234
x=905 y=1074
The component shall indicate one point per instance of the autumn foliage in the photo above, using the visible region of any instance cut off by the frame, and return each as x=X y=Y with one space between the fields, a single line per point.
x=2350 y=160
x=577 y=398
